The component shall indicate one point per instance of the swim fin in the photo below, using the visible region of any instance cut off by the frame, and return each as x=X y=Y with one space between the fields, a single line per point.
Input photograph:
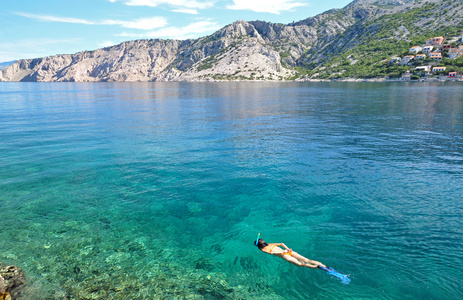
x=344 y=278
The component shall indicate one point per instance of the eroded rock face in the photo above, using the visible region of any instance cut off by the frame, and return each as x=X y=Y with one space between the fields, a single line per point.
x=265 y=50
x=240 y=51
x=12 y=281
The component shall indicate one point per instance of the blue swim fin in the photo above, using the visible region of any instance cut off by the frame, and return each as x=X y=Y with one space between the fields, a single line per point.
x=344 y=278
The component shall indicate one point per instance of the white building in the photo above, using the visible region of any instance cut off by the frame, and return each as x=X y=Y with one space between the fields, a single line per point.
x=427 y=49
x=395 y=59
x=438 y=69
x=406 y=59
x=407 y=75
x=454 y=53
x=415 y=49
x=420 y=56
x=425 y=69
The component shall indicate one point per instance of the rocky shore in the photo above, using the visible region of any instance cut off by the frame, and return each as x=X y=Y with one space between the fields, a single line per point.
x=12 y=282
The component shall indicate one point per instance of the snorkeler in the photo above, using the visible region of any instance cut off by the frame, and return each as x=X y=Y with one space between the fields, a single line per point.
x=288 y=254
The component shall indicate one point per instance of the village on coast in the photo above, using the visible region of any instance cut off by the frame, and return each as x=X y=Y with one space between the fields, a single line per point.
x=425 y=60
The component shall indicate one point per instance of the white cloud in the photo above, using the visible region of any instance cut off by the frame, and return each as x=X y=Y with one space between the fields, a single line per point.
x=47 y=18
x=266 y=6
x=193 y=4
x=106 y=44
x=142 y=23
x=38 y=48
x=186 y=11
x=192 y=30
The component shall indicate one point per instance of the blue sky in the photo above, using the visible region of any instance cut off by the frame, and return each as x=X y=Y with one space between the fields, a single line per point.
x=31 y=28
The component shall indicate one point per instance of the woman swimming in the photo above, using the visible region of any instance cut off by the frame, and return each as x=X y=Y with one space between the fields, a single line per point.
x=288 y=254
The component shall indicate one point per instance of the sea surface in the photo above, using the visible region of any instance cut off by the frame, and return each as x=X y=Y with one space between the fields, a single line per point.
x=158 y=190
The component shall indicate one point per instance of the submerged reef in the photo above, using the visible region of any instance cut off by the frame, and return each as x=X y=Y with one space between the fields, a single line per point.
x=106 y=259
x=12 y=281
x=168 y=283
x=90 y=281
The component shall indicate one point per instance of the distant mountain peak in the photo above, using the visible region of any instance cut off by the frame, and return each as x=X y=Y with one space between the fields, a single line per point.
x=318 y=47
x=6 y=64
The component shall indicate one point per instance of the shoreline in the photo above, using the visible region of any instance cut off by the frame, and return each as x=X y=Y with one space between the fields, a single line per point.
x=266 y=80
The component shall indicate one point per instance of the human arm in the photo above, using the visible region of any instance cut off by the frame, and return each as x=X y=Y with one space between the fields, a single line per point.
x=279 y=248
x=284 y=246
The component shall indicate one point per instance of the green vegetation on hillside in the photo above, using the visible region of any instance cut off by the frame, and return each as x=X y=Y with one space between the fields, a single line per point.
x=386 y=37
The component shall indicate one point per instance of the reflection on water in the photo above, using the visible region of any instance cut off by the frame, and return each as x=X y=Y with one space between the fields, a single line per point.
x=129 y=190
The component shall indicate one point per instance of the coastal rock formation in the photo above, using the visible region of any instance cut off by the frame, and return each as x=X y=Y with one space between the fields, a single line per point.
x=243 y=50
x=12 y=281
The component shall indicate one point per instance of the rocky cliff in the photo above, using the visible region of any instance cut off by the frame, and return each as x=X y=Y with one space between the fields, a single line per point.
x=243 y=50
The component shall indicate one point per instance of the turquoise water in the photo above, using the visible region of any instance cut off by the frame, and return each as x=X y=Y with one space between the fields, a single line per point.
x=158 y=190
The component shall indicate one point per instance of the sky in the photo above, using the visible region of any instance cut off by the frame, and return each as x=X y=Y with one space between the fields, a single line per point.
x=32 y=28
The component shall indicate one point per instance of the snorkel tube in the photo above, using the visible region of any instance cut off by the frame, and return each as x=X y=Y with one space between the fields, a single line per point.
x=257 y=240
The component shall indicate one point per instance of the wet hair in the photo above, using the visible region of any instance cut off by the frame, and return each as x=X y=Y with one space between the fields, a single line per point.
x=261 y=244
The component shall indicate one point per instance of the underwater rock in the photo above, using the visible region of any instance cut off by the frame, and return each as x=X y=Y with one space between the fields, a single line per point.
x=12 y=281
x=3 y=294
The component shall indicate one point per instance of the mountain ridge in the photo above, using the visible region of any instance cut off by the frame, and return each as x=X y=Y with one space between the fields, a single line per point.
x=254 y=50
x=6 y=64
